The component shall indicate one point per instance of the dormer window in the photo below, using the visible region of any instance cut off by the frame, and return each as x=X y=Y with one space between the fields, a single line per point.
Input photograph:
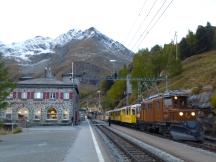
x=38 y=95
x=24 y=95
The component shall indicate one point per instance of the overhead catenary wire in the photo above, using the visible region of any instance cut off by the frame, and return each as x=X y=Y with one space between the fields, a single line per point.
x=135 y=21
x=155 y=23
x=140 y=25
x=155 y=15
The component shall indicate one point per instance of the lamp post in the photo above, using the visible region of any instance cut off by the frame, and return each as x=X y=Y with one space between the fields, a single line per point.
x=113 y=62
x=12 y=126
x=99 y=100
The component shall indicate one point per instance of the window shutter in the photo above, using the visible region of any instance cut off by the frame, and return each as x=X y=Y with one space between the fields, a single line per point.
x=28 y=95
x=19 y=95
x=71 y=95
x=44 y=95
x=47 y=95
x=57 y=95
x=62 y=95
x=14 y=95
x=32 y=95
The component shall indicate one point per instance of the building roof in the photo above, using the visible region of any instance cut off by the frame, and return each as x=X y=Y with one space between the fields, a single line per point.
x=42 y=81
x=45 y=83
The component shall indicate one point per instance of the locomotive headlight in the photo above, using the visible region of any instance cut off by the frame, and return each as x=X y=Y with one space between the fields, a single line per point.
x=175 y=97
x=193 y=113
x=181 y=113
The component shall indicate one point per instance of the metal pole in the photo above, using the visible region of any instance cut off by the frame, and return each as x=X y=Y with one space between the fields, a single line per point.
x=12 y=128
x=99 y=102
x=175 y=39
x=72 y=73
x=166 y=82
x=113 y=66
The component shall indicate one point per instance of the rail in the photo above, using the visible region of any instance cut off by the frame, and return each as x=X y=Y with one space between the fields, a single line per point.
x=134 y=152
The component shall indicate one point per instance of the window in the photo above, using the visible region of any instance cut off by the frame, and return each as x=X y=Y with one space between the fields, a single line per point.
x=52 y=95
x=37 y=114
x=10 y=96
x=24 y=95
x=65 y=115
x=8 y=114
x=66 y=96
x=38 y=95
x=133 y=112
x=168 y=102
x=52 y=113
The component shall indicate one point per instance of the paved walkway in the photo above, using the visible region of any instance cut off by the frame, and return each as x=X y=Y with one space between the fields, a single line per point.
x=54 y=144
x=84 y=148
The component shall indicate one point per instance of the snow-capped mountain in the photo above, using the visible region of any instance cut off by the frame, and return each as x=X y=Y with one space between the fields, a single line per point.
x=22 y=51
x=90 y=50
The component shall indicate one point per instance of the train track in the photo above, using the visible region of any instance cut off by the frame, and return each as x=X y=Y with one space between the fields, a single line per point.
x=209 y=145
x=205 y=145
x=131 y=151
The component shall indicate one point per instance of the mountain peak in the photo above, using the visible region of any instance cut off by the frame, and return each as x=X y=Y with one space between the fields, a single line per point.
x=45 y=45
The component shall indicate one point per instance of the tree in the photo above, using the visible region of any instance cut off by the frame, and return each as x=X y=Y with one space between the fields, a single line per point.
x=156 y=49
x=184 y=49
x=6 y=86
x=116 y=92
x=205 y=38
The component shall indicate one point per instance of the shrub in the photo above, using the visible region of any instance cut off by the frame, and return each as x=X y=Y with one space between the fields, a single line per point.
x=1 y=124
x=213 y=101
x=17 y=130
x=196 y=90
x=2 y=131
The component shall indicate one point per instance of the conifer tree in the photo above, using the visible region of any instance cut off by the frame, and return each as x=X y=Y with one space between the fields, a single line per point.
x=6 y=86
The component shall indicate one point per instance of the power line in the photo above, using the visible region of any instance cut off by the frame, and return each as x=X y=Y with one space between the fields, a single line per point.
x=140 y=25
x=155 y=22
x=139 y=14
x=150 y=23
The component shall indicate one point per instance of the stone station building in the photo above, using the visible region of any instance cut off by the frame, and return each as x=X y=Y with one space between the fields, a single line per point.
x=43 y=101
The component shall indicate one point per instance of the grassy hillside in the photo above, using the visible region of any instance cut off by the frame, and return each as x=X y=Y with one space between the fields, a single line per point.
x=198 y=70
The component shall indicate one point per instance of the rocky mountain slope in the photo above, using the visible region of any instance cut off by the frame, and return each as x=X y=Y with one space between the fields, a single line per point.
x=90 y=50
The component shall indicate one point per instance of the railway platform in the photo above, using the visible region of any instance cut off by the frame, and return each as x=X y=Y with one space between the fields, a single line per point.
x=182 y=151
x=87 y=146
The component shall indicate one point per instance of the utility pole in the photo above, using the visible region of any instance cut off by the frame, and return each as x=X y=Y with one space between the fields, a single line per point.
x=72 y=73
x=175 y=39
x=166 y=83
x=72 y=79
x=113 y=66
x=12 y=126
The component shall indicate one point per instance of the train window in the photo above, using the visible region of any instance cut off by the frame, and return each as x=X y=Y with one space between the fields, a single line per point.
x=133 y=112
x=168 y=102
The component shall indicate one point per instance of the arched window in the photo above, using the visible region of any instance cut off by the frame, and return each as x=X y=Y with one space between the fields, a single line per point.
x=65 y=114
x=52 y=113
x=37 y=114
x=23 y=114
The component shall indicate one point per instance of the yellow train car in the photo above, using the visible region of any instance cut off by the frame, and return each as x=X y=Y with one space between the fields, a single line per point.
x=127 y=114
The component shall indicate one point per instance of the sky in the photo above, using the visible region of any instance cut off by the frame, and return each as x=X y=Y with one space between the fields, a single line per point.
x=136 y=24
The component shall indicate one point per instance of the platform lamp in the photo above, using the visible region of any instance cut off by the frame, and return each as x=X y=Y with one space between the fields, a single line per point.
x=113 y=66
x=99 y=100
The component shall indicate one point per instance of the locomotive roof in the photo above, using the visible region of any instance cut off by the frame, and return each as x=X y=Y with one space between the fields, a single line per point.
x=168 y=94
